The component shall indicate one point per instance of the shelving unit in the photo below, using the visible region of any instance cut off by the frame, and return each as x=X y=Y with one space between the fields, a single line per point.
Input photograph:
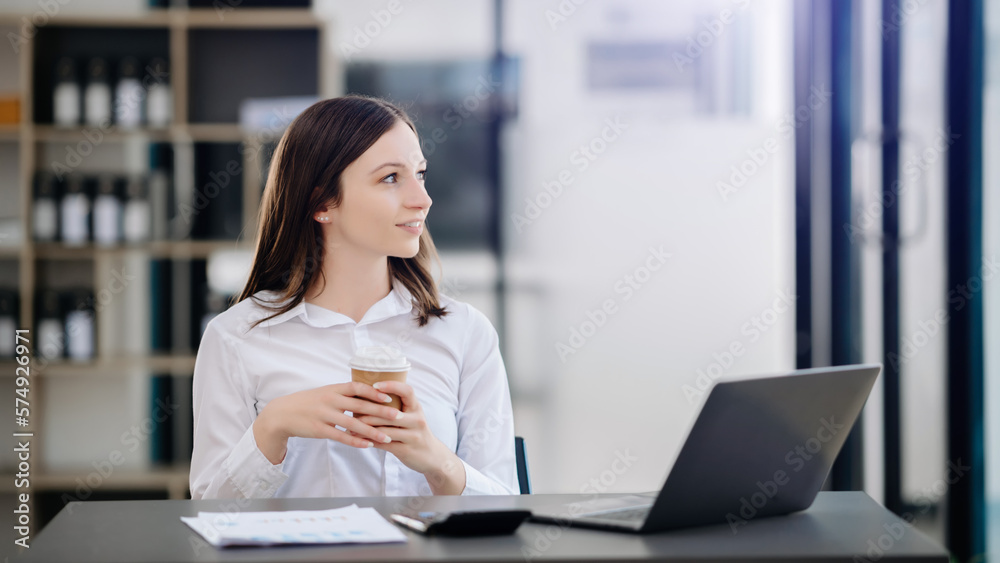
x=203 y=47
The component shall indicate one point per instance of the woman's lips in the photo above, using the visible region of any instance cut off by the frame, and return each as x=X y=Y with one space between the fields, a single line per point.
x=416 y=230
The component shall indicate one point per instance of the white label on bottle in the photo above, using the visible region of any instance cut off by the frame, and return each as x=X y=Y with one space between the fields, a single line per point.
x=80 y=335
x=74 y=219
x=51 y=340
x=107 y=220
x=128 y=103
x=137 y=220
x=46 y=220
x=66 y=104
x=159 y=105
x=97 y=104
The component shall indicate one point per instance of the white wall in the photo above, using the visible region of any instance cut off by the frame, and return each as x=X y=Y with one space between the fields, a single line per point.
x=655 y=186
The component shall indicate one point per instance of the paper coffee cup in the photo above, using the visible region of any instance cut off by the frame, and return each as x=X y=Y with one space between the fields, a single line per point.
x=372 y=364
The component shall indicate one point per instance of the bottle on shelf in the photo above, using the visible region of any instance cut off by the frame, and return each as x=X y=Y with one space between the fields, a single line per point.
x=80 y=325
x=137 y=212
x=50 y=337
x=75 y=212
x=159 y=101
x=45 y=209
x=97 y=96
x=158 y=190
x=8 y=323
x=129 y=95
x=107 y=212
x=66 y=95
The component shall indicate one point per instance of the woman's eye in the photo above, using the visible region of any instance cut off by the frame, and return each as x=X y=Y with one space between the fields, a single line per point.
x=422 y=174
x=390 y=179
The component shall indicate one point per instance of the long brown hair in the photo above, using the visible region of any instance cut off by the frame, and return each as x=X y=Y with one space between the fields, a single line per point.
x=305 y=174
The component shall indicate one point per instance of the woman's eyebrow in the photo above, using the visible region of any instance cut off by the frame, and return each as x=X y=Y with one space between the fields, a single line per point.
x=395 y=164
x=381 y=166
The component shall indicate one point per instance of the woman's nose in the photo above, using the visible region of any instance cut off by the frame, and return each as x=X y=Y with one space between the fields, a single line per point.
x=418 y=196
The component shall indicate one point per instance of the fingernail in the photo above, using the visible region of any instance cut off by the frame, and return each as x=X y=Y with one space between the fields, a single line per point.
x=386 y=440
x=378 y=385
x=369 y=445
x=385 y=398
x=399 y=416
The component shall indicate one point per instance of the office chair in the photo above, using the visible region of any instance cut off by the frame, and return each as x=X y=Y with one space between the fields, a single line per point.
x=522 y=465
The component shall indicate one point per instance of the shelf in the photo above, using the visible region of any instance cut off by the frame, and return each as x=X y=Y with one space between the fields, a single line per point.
x=268 y=18
x=8 y=367
x=271 y=18
x=10 y=132
x=201 y=132
x=217 y=58
x=9 y=251
x=157 y=18
x=171 y=478
x=107 y=367
x=214 y=132
x=53 y=134
x=158 y=249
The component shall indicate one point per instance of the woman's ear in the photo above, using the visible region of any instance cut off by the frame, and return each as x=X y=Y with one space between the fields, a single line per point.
x=321 y=211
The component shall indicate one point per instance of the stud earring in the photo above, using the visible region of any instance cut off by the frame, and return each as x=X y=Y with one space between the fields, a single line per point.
x=324 y=218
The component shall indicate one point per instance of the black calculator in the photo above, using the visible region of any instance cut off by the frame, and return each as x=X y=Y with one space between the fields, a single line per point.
x=463 y=522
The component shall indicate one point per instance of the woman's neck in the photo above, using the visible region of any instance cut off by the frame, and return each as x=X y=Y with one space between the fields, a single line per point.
x=353 y=284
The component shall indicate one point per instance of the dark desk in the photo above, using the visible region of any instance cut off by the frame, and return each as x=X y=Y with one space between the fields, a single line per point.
x=838 y=527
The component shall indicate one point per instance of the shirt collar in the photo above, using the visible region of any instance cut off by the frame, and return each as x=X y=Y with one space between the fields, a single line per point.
x=398 y=302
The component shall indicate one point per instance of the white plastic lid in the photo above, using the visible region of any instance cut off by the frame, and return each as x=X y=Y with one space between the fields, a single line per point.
x=379 y=358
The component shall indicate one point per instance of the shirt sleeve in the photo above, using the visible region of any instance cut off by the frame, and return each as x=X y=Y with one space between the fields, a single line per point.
x=225 y=460
x=485 y=416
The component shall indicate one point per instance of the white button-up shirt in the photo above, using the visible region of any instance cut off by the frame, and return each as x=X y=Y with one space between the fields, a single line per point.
x=456 y=372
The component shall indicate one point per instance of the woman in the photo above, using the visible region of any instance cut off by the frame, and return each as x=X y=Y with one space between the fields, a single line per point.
x=342 y=261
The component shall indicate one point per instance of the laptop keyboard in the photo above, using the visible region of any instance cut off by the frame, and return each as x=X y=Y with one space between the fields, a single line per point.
x=627 y=515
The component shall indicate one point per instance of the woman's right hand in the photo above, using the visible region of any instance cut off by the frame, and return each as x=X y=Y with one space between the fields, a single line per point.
x=314 y=413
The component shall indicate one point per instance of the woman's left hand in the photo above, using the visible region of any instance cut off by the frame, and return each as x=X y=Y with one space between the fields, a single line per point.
x=415 y=445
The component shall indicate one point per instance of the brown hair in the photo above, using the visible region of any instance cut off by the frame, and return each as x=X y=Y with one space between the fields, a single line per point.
x=304 y=175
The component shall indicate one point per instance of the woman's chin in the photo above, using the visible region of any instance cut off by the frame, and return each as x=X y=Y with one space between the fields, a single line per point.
x=407 y=253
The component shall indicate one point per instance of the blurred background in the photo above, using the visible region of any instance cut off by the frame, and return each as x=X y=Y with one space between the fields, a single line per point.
x=642 y=196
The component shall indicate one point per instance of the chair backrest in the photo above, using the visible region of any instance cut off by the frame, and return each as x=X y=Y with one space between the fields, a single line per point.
x=522 y=465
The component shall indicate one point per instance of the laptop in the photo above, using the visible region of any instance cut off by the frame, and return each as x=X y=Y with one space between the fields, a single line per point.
x=760 y=446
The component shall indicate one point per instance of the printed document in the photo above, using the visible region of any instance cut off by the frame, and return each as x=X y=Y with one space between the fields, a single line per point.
x=340 y=525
